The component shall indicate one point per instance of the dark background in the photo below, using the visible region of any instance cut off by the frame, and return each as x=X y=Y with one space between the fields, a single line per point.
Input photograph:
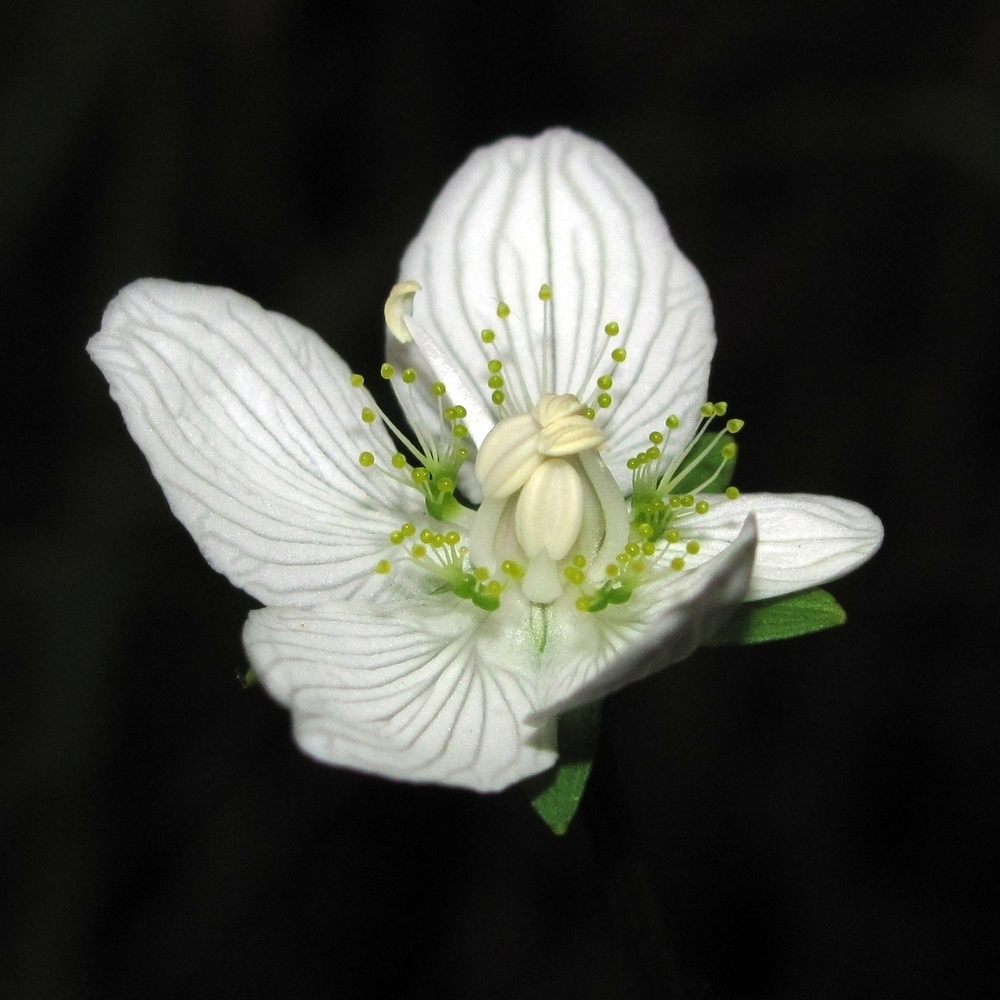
x=816 y=815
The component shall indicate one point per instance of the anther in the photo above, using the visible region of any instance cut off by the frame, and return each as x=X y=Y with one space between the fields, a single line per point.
x=503 y=310
x=545 y=293
x=611 y=329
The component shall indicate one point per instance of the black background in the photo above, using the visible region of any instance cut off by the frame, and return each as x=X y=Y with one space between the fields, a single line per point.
x=817 y=816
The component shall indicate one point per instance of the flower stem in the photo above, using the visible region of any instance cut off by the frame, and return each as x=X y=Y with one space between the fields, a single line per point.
x=627 y=884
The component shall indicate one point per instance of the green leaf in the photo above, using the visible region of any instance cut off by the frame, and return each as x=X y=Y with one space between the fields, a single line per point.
x=707 y=466
x=781 y=618
x=555 y=795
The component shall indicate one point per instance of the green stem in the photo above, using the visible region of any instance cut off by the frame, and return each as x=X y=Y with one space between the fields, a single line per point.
x=627 y=884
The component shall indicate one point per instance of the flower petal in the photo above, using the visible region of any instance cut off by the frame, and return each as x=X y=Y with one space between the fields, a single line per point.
x=559 y=209
x=250 y=425
x=804 y=540
x=596 y=654
x=409 y=691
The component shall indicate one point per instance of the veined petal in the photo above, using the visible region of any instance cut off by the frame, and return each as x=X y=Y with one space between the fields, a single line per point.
x=415 y=691
x=804 y=540
x=559 y=209
x=661 y=624
x=250 y=425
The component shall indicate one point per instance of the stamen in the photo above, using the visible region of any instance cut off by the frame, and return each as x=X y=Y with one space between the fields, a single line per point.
x=398 y=308
x=438 y=461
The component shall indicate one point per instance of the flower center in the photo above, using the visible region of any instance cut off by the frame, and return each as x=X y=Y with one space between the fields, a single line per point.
x=547 y=495
x=552 y=515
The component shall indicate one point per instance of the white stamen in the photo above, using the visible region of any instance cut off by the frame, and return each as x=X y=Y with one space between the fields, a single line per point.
x=398 y=308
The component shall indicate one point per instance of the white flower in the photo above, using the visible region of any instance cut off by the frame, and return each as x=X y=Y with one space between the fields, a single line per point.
x=550 y=348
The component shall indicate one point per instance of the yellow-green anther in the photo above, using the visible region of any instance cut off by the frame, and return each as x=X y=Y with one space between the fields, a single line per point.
x=420 y=474
x=605 y=382
x=387 y=371
x=732 y=492
x=720 y=409
x=409 y=376
x=673 y=421
x=734 y=426
x=495 y=365
x=408 y=529
x=677 y=563
x=383 y=566
x=495 y=381
x=460 y=430
x=438 y=389
x=460 y=411
x=366 y=459
x=357 y=380
x=693 y=548
x=611 y=329
x=487 y=336
x=545 y=293
x=498 y=397
x=503 y=310
x=728 y=451
x=707 y=410
x=618 y=355
x=702 y=507
x=368 y=415
x=604 y=400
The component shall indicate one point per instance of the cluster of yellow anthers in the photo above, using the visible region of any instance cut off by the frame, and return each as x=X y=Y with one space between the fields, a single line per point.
x=443 y=555
x=438 y=456
x=496 y=381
